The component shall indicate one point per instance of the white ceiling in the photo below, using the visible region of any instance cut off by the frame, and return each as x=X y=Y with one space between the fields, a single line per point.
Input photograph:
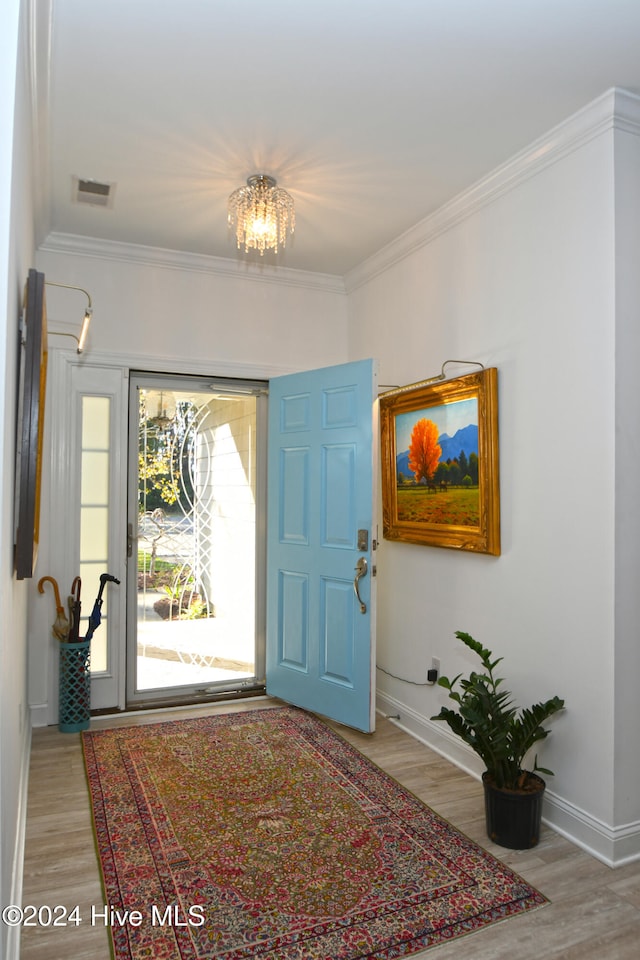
x=371 y=113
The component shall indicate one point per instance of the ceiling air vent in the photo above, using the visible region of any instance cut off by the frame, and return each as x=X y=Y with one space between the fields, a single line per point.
x=93 y=192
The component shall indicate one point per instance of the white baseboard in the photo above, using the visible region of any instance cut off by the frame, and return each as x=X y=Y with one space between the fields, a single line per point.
x=614 y=846
x=434 y=735
x=13 y=933
x=39 y=714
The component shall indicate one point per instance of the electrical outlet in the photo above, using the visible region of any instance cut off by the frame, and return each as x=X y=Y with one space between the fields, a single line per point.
x=433 y=672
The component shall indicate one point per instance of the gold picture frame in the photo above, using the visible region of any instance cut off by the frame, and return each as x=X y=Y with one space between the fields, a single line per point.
x=440 y=464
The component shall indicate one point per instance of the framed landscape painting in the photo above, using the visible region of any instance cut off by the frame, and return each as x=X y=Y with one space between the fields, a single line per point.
x=440 y=468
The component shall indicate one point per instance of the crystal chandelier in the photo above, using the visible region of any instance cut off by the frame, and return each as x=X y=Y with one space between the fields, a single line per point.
x=263 y=214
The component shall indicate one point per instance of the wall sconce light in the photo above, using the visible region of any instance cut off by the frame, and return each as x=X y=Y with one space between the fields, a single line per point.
x=390 y=391
x=86 y=320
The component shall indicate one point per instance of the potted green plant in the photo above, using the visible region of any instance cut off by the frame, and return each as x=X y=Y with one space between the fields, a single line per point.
x=501 y=734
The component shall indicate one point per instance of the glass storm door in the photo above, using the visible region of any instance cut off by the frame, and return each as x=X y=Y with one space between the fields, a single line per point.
x=194 y=624
x=320 y=566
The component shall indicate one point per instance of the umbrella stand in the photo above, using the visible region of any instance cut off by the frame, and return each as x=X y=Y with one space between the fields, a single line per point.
x=74 y=687
x=74 y=675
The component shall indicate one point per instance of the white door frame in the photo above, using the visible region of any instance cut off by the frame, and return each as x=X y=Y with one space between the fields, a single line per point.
x=60 y=520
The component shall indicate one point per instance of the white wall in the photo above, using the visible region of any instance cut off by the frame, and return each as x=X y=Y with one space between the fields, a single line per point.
x=16 y=252
x=229 y=466
x=522 y=278
x=172 y=308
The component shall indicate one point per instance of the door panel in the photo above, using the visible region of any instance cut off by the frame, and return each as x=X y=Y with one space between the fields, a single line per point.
x=320 y=643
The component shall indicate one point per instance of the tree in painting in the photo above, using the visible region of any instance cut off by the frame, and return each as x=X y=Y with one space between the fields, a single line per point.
x=424 y=450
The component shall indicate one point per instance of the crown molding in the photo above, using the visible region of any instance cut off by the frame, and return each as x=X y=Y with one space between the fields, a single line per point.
x=625 y=107
x=78 y=246
x=615 y=109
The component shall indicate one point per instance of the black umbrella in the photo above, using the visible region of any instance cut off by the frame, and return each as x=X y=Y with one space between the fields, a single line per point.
x=96 y=613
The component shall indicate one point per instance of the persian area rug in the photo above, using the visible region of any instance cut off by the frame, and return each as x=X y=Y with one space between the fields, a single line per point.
x=264 y=835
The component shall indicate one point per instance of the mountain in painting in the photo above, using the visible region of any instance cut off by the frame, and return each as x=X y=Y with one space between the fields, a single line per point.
x=464 y=439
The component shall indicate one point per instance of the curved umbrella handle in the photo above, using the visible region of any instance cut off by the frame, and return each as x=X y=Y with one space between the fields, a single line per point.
x=53 y=582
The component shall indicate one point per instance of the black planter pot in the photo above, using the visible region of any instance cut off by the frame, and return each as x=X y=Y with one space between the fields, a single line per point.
x=513 y=817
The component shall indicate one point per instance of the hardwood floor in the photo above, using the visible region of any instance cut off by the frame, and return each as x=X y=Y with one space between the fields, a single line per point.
x=594 y=912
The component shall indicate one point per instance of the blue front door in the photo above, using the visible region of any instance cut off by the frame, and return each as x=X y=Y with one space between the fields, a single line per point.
x=320 y=634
